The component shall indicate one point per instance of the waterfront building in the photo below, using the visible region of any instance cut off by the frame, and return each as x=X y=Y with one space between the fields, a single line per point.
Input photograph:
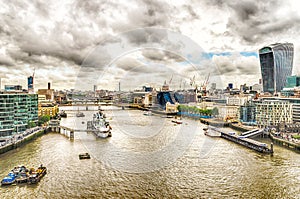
x=295 y=102
x=172 y=108
x=272 y=112
x=48 y=108
x=206 y=105
x=247 y=113
x=236 y=100
x=16 y=111
x=276 y=61
x=295 y=109
x=227 y=112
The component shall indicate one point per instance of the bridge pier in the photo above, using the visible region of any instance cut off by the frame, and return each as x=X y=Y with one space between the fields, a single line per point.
x=71 y=134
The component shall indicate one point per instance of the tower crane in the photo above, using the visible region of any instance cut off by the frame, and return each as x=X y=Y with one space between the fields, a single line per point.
x=204 y=85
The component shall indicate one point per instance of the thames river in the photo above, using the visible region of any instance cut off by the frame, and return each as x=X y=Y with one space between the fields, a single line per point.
x=150 y=157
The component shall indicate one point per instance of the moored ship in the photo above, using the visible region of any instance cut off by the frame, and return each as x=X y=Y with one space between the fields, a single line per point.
x=101 y=127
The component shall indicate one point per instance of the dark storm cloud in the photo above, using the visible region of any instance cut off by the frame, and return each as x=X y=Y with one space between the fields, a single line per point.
x=147 y=36
x=150 y=13
x=253 y=21
x=128 y=63
x=161 y=55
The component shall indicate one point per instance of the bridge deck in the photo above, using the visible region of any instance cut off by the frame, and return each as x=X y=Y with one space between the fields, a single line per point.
x=77 y=130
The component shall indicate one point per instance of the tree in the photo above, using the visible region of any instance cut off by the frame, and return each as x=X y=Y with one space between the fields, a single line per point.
x=215 y=111
x=43 y=119
x=31 y=124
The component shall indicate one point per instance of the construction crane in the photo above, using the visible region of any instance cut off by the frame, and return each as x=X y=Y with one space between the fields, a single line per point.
x=204 y=85
x=192 y=82
x=170 y=80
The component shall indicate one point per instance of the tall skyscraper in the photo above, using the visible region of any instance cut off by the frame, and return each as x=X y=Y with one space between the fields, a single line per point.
x=30 y=84
x=276 y=62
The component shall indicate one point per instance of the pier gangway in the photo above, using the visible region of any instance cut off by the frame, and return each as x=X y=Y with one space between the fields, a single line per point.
x=248 y=132
x=252 y=133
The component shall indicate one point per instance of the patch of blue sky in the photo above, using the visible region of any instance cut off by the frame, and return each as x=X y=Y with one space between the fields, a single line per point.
x=244 y=53
x=249 y=54
x=211 y=54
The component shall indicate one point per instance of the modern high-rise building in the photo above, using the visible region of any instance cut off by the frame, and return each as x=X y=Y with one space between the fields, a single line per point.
x=30 y=84
x=16 y=111
x=276 y=62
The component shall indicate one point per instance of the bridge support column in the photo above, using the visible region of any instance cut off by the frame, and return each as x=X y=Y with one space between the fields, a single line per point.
x=272 y=151
x=71 y=134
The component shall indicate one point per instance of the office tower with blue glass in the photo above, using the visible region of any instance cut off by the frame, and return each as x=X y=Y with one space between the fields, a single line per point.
x=276 y=62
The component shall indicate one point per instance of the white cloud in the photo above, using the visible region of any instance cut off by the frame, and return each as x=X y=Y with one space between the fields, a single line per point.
x=56 y=37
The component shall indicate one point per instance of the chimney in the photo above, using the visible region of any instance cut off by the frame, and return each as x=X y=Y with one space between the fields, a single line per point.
x=49 y=85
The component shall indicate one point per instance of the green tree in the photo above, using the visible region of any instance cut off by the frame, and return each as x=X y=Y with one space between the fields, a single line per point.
x=31 y=124
x=215 y=111
x=43 y=119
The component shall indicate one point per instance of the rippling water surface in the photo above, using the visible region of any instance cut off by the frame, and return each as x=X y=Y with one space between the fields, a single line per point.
x=150 y=157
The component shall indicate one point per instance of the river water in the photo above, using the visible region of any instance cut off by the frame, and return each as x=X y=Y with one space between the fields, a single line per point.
x=150 y=157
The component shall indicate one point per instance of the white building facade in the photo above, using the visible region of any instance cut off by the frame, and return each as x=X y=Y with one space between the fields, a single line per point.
x=273 y=112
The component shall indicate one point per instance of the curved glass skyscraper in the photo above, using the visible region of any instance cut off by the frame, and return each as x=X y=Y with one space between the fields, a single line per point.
x=276 y=62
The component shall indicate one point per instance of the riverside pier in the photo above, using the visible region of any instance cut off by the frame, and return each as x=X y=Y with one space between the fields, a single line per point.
x=252 y=144
x=244 y=140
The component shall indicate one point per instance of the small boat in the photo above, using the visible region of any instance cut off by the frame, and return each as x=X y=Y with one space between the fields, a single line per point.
x=9 y=179
x=22 y=178
x=35 y=176
x=177 y=122
x=79 y=114
x=63 y=114
x=211 y=131
x=147 y=113
x=100 y=109
x=84 y=156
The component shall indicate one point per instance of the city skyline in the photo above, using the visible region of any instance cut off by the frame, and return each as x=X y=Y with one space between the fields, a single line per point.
x=56 y=38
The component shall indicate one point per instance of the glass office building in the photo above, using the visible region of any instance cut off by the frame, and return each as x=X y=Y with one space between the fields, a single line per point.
x=16 y=111
x=276 y=61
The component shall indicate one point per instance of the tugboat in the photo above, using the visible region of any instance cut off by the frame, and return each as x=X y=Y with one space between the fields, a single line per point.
x=84 y=156
x=35 y=176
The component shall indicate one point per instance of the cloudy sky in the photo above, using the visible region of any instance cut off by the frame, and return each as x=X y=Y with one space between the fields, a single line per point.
x=78 y=44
